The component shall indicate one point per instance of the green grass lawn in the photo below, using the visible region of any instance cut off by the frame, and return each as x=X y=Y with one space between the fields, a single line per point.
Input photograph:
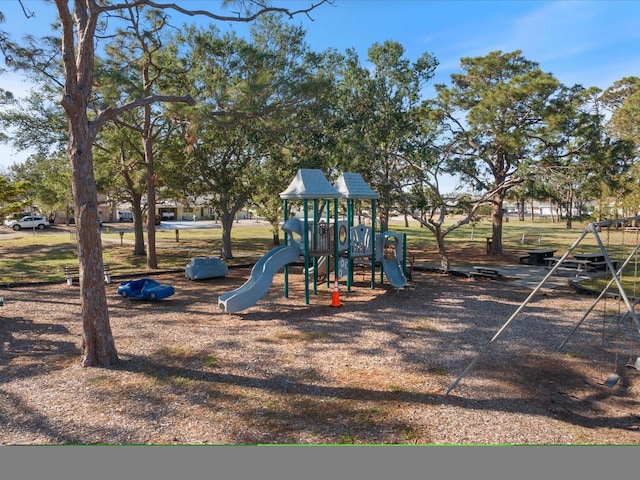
x=518 y=237
x=42 y=256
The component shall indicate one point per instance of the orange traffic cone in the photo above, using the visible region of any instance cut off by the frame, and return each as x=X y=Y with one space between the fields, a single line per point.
x=335 y=298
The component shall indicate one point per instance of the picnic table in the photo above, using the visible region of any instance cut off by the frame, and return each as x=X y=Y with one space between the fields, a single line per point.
x=596 y=260
x=579 y=264
x=582 y=262
x=592 y=257
x=537 y=256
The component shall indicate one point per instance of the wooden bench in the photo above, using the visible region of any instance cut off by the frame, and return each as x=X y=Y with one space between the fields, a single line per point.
x=551 y=261
x=602 y=266
x=572 y=264
x=73 y=273
x=568 y=262
x=485 y=272
x=524 y=259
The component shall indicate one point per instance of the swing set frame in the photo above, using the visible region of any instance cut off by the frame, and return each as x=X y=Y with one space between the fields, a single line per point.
x=592 y=228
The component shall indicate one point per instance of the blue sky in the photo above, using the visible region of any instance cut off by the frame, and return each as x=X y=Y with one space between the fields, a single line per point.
x=590 y=42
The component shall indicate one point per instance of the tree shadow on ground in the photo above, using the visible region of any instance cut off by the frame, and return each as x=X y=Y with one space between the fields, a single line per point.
x=35 y=346
x=310 y=405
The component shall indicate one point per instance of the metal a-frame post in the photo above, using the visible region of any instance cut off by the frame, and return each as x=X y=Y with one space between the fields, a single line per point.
x=591 y=228
x=602 y=294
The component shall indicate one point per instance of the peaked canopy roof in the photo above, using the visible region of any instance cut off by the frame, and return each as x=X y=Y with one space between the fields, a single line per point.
x=353 y=186
x=310 y=184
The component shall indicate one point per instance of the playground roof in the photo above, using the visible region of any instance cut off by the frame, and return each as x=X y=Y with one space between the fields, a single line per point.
x=353 y=186
x=310 y=184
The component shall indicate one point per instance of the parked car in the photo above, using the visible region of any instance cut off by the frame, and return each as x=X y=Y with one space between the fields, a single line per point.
x=145 y=289
x=30 y=221
x=125 y=217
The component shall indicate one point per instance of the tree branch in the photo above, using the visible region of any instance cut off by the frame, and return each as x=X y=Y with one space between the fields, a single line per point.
x=110 y=113
x=262 y=8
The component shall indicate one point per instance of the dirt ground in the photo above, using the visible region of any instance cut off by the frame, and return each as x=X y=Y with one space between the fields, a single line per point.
x=373 y=371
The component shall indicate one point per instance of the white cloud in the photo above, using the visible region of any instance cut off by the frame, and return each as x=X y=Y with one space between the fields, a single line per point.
x=592 y=43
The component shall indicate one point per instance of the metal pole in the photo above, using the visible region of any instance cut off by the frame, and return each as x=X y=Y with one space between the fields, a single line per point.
x=336 y=243
x=520 y=308
x=328 y=257
x=404 y=254
x=373 y=243
x=349 y=243
x=285 y=216
x=616 y=278
x=315 y=246
x=305 y=239
x=602 y=294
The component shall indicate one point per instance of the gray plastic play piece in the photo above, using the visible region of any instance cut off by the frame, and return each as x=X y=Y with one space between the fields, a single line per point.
x=205 y=267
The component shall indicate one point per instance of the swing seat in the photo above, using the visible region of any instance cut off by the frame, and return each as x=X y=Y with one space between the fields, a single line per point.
x=612 y=380
x=635 y=364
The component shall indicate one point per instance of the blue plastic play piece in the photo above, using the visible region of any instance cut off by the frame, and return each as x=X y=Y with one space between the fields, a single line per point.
x=145 y=289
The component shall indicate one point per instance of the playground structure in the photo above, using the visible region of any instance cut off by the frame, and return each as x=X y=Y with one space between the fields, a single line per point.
x=616 y=273
x=326 y=241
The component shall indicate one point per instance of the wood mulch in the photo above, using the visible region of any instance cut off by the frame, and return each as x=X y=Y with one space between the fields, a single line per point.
x=375 y=370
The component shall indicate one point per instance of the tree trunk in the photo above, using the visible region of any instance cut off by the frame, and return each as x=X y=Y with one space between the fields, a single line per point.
x=152 y=257
x=384 y=221
x=226 y=221
x=98 y=347
x=532 y=212
x=138 y=232
x=442 y=251
x=496 y=215
x=521 y=204
x=570 y=210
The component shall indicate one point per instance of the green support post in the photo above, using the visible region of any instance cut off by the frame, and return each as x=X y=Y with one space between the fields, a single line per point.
x=336 y=234
x=305 y=239
x=404 y=254
x=285 y=215
x=328 y=262
x=349 y=259
x=314 y=239
x=374 y=244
